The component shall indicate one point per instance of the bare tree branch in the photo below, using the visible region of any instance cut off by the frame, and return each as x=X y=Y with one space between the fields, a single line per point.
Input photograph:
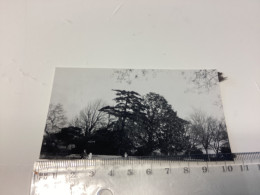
x=56 y=118
x=207 y=132
x=129 y=75
x=90 y=118
x=204 y=80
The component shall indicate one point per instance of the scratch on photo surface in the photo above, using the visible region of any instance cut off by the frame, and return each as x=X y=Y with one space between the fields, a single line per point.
x=68 y=21
x=118 y=7
x=257 y=86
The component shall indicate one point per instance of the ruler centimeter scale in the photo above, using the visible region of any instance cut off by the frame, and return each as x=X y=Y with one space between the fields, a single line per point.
x=232 y=174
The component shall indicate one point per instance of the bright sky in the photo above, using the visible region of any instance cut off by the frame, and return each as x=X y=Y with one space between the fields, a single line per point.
x=74 y=88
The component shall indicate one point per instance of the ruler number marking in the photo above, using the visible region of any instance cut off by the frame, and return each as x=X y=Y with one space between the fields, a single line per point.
x=130 y=172
x=54 y=175
x=72 y=175
x=111 y=173
x=205 y=169
x=244 y=168
x=149 y=171
x=186 y=170
x=91 y=173
x=168 y=170
x=228 y=168
x=43 y=176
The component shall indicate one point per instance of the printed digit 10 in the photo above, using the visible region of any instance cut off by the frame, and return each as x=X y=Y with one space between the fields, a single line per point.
x=228 y=168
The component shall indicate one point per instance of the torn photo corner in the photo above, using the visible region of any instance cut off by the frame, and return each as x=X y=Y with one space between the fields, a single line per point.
x=136 y=112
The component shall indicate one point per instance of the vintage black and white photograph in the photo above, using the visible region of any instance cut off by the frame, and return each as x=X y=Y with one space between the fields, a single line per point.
x=134 y=112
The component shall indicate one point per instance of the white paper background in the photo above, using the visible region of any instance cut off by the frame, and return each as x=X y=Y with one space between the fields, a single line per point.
x=38 y=35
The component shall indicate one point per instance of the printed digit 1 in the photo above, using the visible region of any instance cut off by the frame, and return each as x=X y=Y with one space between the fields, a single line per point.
x=244 y=168
x=111 y=173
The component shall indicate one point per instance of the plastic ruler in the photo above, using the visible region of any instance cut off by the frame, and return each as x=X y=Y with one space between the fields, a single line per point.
x=235 y=174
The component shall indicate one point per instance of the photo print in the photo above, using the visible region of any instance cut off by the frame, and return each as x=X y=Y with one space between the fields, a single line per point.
x=134 y=112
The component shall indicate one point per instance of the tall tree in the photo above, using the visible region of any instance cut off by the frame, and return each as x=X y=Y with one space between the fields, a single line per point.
x=128 y=108
x=56 y=118
x=163 y=129
x=192 y=139
x=207 y=132
x=219 y=137
x=204 y=127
